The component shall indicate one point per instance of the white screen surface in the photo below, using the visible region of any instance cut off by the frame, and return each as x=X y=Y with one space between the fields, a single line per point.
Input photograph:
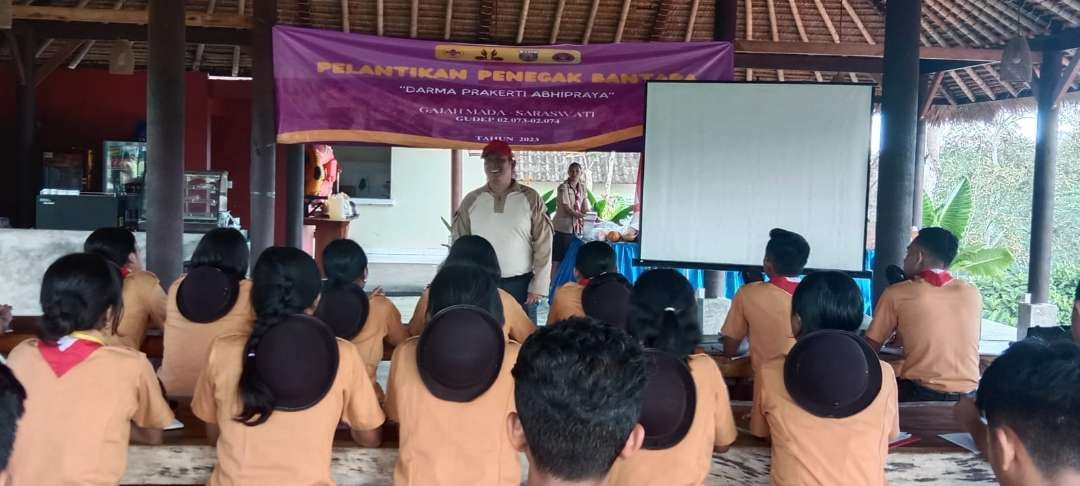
x=727 y=162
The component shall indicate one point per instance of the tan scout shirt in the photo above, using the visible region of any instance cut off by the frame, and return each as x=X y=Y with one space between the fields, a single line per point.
x=76 y=427
x=144 y=308
x=516 y=324
x=383 y=323
x=808 y=450
x=939 y=328
x=689 y=461
x=187 y=344
x=290 y=447
x=516 y=224
x=449 y=443
x=567 y=303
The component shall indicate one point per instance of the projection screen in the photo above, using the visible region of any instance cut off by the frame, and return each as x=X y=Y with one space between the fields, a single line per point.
x=727 y=162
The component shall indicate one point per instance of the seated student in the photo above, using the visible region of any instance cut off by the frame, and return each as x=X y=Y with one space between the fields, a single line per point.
x=1026 y=414
x=762 y=310
x=12 y=397
x=366 y=320
x=84 y=400
x=830 y=406
x=451 y=391
x=687 y=414
x=594 y=269
x=272 y=399
x=475 y=250
x=937 y=317
x=595 y=372
x=144 y=299
x=212 y=299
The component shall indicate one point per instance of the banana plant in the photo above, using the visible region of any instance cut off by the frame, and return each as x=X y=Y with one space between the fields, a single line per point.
x=954 y=214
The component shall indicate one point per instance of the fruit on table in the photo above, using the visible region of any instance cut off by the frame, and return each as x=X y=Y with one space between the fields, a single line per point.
x=614 y=236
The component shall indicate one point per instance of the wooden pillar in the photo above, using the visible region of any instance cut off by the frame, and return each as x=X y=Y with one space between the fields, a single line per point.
x=27 y=167
x=1042 y=199
x=455 y=181
x=263 y=128
x=899 y=124
x=920 y=156
x=294 y=197
x=165 y=140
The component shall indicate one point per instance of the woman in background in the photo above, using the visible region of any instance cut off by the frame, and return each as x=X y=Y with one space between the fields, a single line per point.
x=85 y=400
x=571 y=204
x=212 y=299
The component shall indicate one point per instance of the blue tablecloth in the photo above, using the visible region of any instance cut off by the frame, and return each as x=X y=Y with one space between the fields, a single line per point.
x=734 y=280
x=625 y=254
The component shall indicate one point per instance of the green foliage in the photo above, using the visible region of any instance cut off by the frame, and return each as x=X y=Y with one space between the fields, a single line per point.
x=549 y=202
x=614 y=208
x=1001 y=295
x=954 y=214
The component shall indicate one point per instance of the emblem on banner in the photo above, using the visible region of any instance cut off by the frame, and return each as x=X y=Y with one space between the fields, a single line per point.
x=503 y=54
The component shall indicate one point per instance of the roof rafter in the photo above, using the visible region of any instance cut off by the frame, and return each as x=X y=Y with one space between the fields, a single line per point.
x=828 y=21
x=241 y=8
x=522 y=20
x=626 y=14
x=200 y=49
x=592 y=21
x=345 y=27
x=749 y=21
x=968 y=21
x=557 y=22
x=974 y=76
x=693 y=19
x=1005 y=31
x=448 y=26
x=773 y=27
x=1068 y=78
x=414 y=19
x=1005 y=84
x=799 y=26
x=858 y=22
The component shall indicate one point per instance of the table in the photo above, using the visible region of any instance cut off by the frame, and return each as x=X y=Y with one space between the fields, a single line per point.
x=326 y=230
x=187 y=458
x=625 y=254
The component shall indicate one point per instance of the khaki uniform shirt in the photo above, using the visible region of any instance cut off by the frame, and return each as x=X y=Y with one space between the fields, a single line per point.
x=76 y=427
x=144 y=308
x=383 y=323
x=567 y=303
x=939 y=328
x=187 y=344
x=516 y=323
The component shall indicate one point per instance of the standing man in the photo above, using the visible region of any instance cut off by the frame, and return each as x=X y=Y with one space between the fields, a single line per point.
x=512 y=218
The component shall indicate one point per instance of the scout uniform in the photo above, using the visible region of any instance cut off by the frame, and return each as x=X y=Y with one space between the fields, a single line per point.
x=453 y=436
x=294 y=445
x=82 y=398
x=566 y=303
x=515 y=323
x=812 y=447
x=187 y=343
x=383 y=323
x=938 y=319
x=144 y=308
x=687 y=462
x=762 y=311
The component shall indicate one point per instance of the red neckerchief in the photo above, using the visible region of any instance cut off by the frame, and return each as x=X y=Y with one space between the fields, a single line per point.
x=124 y=272
x=583 y=282
x=787 y=284
x=936 y=277
x=68 y=351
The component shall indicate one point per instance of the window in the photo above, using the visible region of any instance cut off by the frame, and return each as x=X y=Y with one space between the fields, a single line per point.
x=365 y=171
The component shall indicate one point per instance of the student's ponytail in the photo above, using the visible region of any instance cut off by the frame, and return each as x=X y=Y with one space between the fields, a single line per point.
x=285 y=282
x=77 y=292
x=664 y=313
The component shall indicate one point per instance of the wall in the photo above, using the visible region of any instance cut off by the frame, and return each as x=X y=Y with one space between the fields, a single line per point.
x=83 y=107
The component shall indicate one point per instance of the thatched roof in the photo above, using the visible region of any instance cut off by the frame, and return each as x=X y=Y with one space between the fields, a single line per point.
x=946 y=23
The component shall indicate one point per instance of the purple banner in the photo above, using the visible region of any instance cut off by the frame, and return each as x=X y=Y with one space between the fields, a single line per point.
x=338 y=87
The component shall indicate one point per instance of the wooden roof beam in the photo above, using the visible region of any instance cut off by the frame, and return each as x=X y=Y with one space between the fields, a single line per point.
x=690 y=24
x=133 y=32
x=828 y=21
x=1055 y=9
x=980 y=83
x=858 y=22
x=379 y=9
x=960 y=83
x=414 y=19
x=1059 y=41
x=1004 y=32
x=1005 y=84
x=799 y=26
x=140 y=17
x=974 y=76
x=935 y=85
x=449 y=16
x=1025 y=16
x=55 y=61
x=554 y=38
x=863 y=50
x=14 y=47
x=626 y=14
x=522 y=20
x=119 y=4
x=967 y=21
x=749 y=21
x=200 y=49
x=1067 y=79
x=241 y=8
x=775 y=31
x=592 y=20
x=345 y=24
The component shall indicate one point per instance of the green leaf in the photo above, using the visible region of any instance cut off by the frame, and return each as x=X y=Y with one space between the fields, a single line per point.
x=956 y=211
x=929 y=212
x=622 y=214
x=984 y=262
x=548 y=196
x=550 y=207
x=592 y=200
x=599 y=206
x=445 y=223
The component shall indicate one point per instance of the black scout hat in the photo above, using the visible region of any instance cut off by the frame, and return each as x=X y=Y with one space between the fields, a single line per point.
x=832 y=374
x=206 y=294
x=667 y=411
x=298 y=360
x=344 y=309
x=606 y=298
x=460 y=353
